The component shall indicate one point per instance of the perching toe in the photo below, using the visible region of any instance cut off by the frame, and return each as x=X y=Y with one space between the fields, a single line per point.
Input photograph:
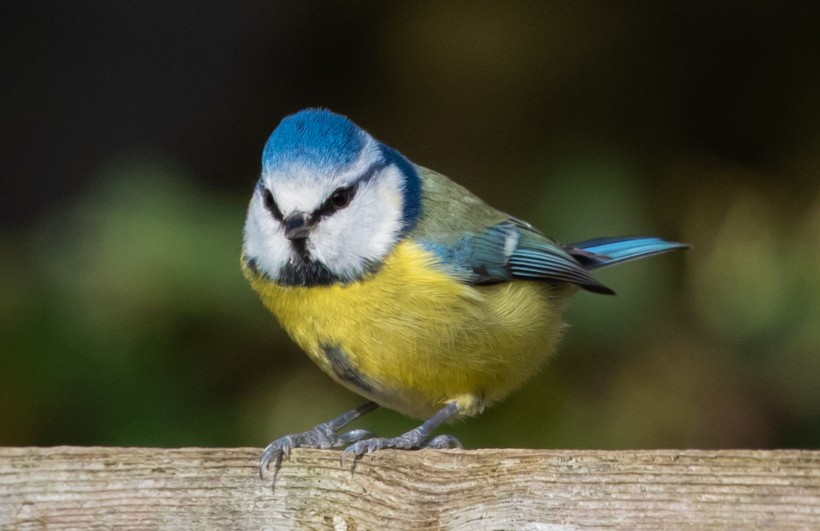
x=351 y=437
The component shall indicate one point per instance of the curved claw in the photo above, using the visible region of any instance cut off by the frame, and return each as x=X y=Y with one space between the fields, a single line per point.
x=367 y=446
x=275 y=451
x=354 y=451
x=267 y=456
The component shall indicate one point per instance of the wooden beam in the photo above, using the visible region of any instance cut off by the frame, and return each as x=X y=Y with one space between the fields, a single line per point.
x=199 y=488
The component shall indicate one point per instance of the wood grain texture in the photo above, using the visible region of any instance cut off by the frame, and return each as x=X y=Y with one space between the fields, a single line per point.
x=198 y=488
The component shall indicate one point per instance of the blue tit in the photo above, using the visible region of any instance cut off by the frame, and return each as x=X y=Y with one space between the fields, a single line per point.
x=402 y=285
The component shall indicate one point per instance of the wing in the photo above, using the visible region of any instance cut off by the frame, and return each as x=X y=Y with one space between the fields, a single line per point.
x=506 y=251
x=482 y=245
x=537 y=257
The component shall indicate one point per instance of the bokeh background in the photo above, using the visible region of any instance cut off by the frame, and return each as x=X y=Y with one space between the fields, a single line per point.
x=131 y=141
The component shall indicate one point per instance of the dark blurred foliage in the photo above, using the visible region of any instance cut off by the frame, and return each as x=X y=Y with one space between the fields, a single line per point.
x=131 y=140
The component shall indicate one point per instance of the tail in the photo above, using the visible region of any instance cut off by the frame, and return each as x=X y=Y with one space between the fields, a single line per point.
x=603 y=252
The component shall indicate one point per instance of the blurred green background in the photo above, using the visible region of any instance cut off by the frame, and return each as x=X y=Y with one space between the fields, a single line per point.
x=132 y=139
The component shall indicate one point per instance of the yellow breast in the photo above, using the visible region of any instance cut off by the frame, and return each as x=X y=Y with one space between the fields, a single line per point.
x=412 y=338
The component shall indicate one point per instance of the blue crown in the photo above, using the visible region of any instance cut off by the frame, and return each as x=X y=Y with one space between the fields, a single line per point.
x=316 y=138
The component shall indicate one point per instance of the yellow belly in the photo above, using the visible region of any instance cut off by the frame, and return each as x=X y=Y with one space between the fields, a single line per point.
x=412 y=338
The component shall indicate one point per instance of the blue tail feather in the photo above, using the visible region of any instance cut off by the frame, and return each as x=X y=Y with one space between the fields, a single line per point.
x=602 y=252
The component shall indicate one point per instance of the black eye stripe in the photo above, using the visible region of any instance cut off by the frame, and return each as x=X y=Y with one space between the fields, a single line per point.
x=339 y=199
x=269 y=203
x=342 y=196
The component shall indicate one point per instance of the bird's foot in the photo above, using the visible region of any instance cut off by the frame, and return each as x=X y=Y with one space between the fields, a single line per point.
x=321 y=436
x=412 y=440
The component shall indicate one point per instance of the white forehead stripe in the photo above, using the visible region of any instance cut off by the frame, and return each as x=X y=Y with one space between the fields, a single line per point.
x=301 y=188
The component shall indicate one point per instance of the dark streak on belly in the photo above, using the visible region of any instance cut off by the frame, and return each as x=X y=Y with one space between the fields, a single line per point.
x=344 y=370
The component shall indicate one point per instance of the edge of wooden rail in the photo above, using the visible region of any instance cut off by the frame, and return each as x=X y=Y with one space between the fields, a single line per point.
x=104 y=487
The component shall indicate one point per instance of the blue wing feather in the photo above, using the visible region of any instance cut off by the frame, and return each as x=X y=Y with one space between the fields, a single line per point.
x=537 y=258
x=478 y=257
x=602 y=252
x=511 y=250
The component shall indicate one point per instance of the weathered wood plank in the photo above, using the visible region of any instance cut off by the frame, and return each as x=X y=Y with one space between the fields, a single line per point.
x=198 y=488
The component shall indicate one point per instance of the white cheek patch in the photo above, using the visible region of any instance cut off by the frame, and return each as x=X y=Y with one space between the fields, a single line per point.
x=264 y=240
x=365 y=231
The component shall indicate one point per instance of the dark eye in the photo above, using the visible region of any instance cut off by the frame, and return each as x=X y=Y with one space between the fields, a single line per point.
x=270 y=204
x=341 y=198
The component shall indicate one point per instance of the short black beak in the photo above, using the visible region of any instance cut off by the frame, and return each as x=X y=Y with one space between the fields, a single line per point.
x=296 y=226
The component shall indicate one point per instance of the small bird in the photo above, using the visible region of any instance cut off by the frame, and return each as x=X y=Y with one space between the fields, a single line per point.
x=402 y=285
